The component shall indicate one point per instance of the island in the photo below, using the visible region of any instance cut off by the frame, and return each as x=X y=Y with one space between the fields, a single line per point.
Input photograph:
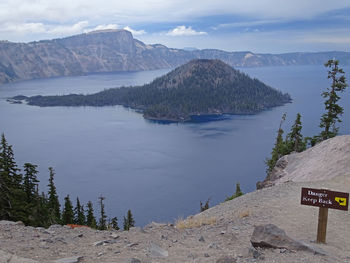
x=199 y=87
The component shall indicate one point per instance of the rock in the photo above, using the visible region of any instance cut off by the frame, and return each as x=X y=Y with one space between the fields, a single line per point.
x=104 y=242
x=157 y=251
x=6 y=257
x=69 y=260
x=213 y=245
x=114 y=236
x=132 y=245
x=201 y=239
x=226 y=259
x=54 y=227
x=271 y=236
x=6 y=222
x=133 y=260
x=254 y=252
x=206 y=255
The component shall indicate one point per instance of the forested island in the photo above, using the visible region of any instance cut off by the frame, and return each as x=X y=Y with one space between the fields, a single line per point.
x=200 y=87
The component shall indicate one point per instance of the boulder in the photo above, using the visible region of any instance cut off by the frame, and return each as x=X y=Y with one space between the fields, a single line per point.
x=270 y=236
x=157 y=251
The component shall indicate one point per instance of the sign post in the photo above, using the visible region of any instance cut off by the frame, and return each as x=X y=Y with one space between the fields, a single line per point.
x=324 y=199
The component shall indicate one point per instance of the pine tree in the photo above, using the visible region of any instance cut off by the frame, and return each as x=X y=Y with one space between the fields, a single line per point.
x=294 y=140
x=30 y=181
x=79 y=216
x=102 y=223
x=237 y=193
x=279 y=149
x=12 y=200
x=114 y=223
x=53 y=203
x=333 y=110
x=204 y=207
x=128 y=221
x=67 y=213
x=90 y=218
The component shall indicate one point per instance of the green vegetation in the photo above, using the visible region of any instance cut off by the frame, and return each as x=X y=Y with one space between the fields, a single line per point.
x=237 y=193
x=204 y=207
x=67 y=213
x=199 y=87
x=20 y=199
x=294 y=141
x=128 y=221
x=333 y=110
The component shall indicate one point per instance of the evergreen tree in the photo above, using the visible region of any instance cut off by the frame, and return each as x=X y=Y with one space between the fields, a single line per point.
x=53 y=203
x=294 y=140
x=204 y=207
x=90 y=218
x=12 y=200
x=114 y=223
x=128 y=221
x=333 y=110
x=102 y=223
x=67 y=213
x=30 y=182
x=237 y=193
x=79 y=216
x=279 y=149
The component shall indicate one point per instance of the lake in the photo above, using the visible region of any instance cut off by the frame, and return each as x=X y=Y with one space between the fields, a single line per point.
x=159 y=171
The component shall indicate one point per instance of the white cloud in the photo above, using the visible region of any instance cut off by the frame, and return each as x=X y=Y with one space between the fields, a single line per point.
x=104 y=27
x=21 y=28
x=67 y=29
x=135 y=32
x=185 y=31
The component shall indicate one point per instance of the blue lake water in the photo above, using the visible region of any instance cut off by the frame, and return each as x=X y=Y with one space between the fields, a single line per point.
x=161 y=172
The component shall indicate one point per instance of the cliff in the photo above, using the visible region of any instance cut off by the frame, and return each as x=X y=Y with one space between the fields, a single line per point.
x=117 y=50
x=219 y=234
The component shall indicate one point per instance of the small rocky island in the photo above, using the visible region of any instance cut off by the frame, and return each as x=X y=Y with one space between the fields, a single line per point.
x=200 y=87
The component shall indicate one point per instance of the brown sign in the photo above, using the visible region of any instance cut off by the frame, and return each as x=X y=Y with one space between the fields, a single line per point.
x=325 y=198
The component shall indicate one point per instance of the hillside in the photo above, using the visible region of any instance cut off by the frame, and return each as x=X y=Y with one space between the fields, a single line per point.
x=117 y=50
x=222 y=232
x=328 y=159
x=200 y=87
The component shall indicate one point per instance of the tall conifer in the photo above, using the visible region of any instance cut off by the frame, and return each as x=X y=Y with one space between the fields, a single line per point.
x=67 y=213
x=53 y=203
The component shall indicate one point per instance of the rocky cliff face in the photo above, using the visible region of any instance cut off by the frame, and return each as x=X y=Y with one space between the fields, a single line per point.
x=117 y=50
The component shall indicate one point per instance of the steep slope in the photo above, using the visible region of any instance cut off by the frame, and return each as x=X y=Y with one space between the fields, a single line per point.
x=117 y=50
x=223 y=230
x=200 y=87
x=325 y=160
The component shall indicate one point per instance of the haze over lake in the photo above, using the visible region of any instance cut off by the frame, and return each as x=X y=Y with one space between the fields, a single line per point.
x=160 y=172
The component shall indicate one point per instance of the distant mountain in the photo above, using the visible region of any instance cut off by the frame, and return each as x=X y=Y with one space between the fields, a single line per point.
x=117 y=50
x=200 y=87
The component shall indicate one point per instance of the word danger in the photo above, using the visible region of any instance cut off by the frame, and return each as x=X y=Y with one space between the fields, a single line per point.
x=324 y=198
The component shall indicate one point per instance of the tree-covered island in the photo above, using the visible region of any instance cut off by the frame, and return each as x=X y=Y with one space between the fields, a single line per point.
x=200 y=87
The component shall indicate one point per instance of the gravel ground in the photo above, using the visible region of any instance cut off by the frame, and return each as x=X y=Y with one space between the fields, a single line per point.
x=224 y=230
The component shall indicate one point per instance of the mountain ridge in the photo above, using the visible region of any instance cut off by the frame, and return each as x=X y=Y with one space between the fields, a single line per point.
x=117 y=50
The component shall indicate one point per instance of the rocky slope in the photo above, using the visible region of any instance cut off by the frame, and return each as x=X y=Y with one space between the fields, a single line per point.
x=220 y=234
x=117 y=50
x=326 y=160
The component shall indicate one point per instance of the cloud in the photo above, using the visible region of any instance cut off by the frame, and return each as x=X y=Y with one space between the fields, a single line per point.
x=135 y=32
x=185 y=31
x=68 y=29
x=104 y=27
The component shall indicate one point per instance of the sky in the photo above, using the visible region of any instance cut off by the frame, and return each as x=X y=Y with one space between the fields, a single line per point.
x=260 y=26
